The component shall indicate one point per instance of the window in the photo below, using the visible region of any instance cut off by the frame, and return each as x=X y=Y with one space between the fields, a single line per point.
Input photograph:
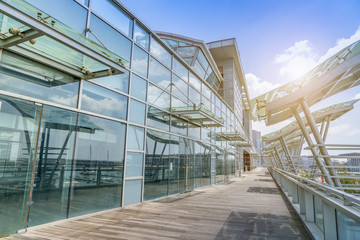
x=140 y=61
x=138 y=87
x=119 y=82
x=103 y=101
x=159 y=74
x=141 y=37
x=158 y=97
x=135 y=138
x=137 y=112
x=160 y=52
x=113 y=15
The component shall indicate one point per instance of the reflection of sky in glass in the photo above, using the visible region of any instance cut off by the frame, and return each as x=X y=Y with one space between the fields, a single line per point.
x=113 y=15
x=103 y=101
x=180 y=69
x=140 y=61
x=119 y=82
x=138 y=87
x=193 y=80
x=158 y=97
x=141 y=37
x=160 y=53
x=159 y=74
x=135 y=138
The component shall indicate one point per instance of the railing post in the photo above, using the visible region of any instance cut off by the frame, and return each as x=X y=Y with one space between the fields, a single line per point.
x=302 y=200
x=309 y=207
x=295 y=195
x=330 y=228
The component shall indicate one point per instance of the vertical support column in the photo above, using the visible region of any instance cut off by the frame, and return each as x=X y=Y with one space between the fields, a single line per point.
x=287 y=154
x=276 y=154
x=319 y=140
x=326 y=128
x=320 y=164
x=309 y=207
x=330 y=229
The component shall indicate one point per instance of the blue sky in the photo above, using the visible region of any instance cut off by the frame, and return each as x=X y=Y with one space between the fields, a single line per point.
x=278 y=40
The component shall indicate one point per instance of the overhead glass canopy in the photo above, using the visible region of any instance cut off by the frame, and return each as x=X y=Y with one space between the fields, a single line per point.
x=230 y=136
x=198 y=115
x=292 y=130
x=338 y=73
x=30 y=32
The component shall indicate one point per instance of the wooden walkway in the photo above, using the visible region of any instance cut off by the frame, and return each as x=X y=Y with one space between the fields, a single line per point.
x=250 y=207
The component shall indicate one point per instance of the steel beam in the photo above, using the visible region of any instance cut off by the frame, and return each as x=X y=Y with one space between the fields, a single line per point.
x=307 y=137
x=311 y=121
x=20 y=38
x=287 y=154
x=277 y=155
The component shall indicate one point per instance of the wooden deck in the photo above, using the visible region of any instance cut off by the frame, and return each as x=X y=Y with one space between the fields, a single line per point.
x=250 y=207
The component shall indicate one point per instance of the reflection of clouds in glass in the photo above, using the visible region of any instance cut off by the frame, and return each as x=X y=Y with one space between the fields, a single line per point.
x=206 y=91
x=107 y=106
x=158 y=97
x=195 y=82
x=157 y=70
x=159 y=52
x=64 y=99
x=140 y=66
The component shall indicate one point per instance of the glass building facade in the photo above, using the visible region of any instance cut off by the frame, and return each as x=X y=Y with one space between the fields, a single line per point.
x=73 y=145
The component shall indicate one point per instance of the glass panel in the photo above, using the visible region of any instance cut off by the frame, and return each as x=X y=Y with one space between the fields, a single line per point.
x=206 y=170
x=18 y=131
x=159 y=74
x=119 y=82
x=26 y=77
x=158 y=97
x=158 y=119
x=140 y=61
x=191 y=167
x=220 y=165
x=206 y=91
x=194 y=96
x=180 y=88
x=180 y=70
x=201 y=58
x=99 y=158
x=132 y=191
x=195 y=82
x=134 y=164
x=53 y=165
x=112 y=39
x=178 y=126
x=103 y=101
x=113 y=15
x=183 y=164
x=198 y=69
x=174 y=165
x=137 y=112
x=160 y=52
x=175 y=102
x=194 y=131
x=319 y=216
x=141 y=37
x=156 y=165
x=67 y=11
x=85 y=2
x=197 y=164
x=206 y=103
x=135 y=138
x=347 y=228
x=138 y=87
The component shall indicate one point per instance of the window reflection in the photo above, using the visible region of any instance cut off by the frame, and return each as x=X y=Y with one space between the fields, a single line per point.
x=99 y=158
x=179 y=88
x=141 y=37
x=135 y=138
x=132 y=191
x=158 y=119
x=134 y=164
x=137 y=112
x=113 y=15
x=119 y=82
x=103 y=101
x=68 y=12
x=159 y=74
x=112 y=39
x=138 y=87
x=23 y=76
x=140 y=61
x=158 y=97
x=180 y=69
x=195 y=82
x=160 y=52
x=194 y=96
x=178 y=126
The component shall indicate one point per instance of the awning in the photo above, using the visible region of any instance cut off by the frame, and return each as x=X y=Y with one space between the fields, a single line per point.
x=198 y=115
x=36 y=35
x=230 y=136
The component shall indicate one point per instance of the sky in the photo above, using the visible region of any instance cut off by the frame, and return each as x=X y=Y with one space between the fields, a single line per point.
x=278 y=41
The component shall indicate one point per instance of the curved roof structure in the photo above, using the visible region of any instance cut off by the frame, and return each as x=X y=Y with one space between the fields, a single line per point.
x=338 y=73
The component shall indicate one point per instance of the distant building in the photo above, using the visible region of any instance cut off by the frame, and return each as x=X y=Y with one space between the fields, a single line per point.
x=353 y=160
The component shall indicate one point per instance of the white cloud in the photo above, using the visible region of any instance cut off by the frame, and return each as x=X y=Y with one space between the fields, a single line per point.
x=357 y=96
x=257 y=86
x=340 y=44
x=340 y=128
x=300 y=58
x=296 y=60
